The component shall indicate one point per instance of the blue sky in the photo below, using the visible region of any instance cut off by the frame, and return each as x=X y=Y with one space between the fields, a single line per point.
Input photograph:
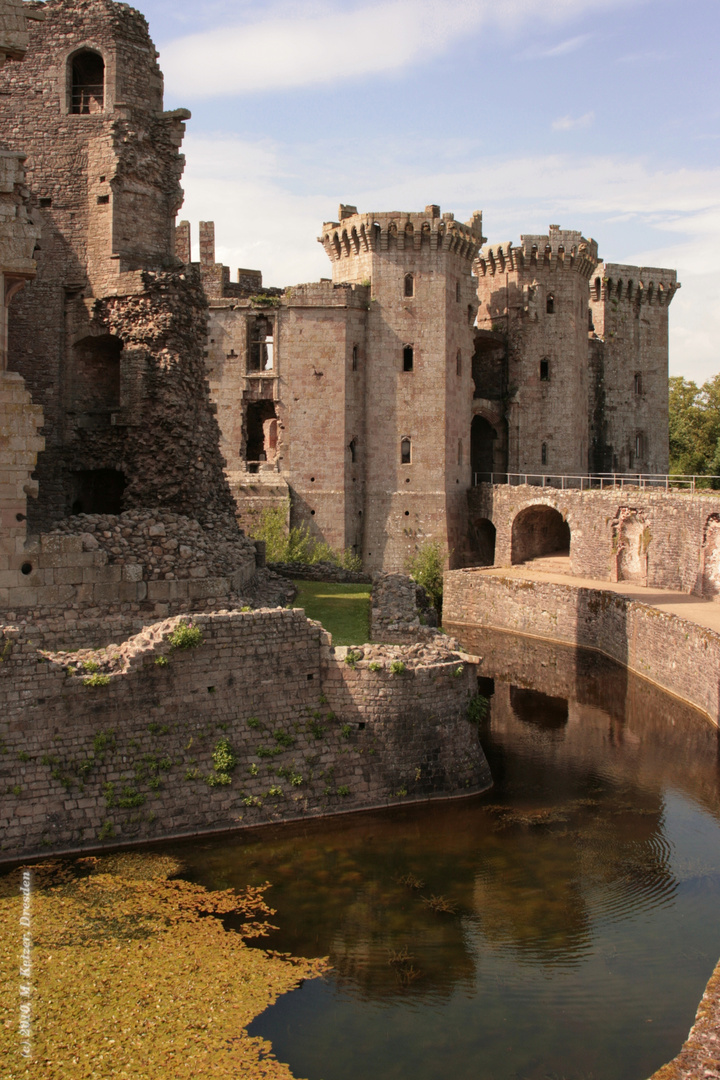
x=598 y=115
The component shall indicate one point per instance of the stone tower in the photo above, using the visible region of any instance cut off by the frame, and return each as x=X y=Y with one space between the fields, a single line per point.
x=537 y=295
x=110 y=335
x=417 y=356
x=629 y=367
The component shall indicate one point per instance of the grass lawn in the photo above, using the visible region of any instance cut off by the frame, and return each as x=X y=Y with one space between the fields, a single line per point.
x=344 y=610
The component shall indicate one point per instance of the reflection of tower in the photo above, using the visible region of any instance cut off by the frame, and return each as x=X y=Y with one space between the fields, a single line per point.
x=537 y=295
x=418 y=378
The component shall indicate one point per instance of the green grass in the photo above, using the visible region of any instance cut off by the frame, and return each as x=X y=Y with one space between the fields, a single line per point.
x=344 y=610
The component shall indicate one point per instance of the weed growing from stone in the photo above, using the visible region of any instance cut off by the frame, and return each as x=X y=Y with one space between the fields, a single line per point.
x=458 y=672
x=397 y=667
x=284 y=738
x=374 y=666
x=254 y=769
x=185 y=636
x=253 y=722
x=346 y=731
x=224 y=761
x=477 y=708
x=96 y=680
x=161 y=661
x=343 y=791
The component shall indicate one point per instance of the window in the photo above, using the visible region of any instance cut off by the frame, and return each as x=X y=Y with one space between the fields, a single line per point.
x=87 y=94
x=409 y=285
x=355 y=358
x=471 y=315
x=460 y=452
x=550 y=304
x=260 y=353
x=405 y=452
x=545 y=371
x=598 y=288
x=457 y=291
x=639 y=446
x=408 y=358
x=353 y=450
x=638 y=383
x=543 y=454
x=458 y=362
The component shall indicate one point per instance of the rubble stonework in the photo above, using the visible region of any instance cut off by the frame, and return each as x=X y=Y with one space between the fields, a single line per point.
x=401 y=610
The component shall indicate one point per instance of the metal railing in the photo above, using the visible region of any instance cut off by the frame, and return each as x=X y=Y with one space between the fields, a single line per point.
x=88 y=98
x=603 y=481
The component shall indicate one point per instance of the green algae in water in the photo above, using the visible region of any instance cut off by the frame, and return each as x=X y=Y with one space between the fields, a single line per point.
x=580 y=923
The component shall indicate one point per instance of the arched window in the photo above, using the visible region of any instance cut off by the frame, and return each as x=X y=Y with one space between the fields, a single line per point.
x=638 y=383
x=545 y=371
x=543 y=454
x=409 y=285
x=87 y=92
x=408 y=358
x=550 y=304
x=405 y=451
x=458 y=362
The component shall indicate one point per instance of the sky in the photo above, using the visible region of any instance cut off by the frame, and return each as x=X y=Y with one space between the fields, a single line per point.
x=596 y=115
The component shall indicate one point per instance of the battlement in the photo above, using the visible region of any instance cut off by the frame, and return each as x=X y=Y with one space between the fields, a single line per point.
x=357 y=234
x=561 y=249
x=634 y=284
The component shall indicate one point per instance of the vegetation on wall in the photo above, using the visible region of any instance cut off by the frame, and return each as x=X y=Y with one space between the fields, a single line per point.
x=296 y=545
x=426 y=567
x=695 y=427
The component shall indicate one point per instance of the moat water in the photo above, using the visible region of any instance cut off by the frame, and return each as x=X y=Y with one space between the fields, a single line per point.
x=581 y=894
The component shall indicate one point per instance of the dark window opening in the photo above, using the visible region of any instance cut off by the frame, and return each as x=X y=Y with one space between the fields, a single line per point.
x=96 y=491
x=88 y=83
x=97 y=375
x=460 y=452
x=638 y=383
x=353 y=450
x=405 y=452
x=482 y=447
x=543 y=454
x=639 y=446
x=598 y=288
x=409 y=285
x=545 y=371
x=44 y=202
x=457 y=291
x=103 y=200
x=355 y=358
x=260 y=352
x=458 y=363
x=408 y=358
x=471 y=315
x=261 y=431
x=550 y=304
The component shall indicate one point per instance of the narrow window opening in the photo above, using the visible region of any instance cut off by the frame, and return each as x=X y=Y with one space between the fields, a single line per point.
x=543 y=454
x=44 y=202
x=639 y=447
x=458 y=362
x=457 y=291
x=460 y=452
x=550 y=304
x=409 y=285
x=88 y=83
x=408 y=358
x=598 y=288
x=260 y=355
x=353 y=450
x=471 y=315
x=405 y=452
x=355 y=358
x=545 y=371
x=103 y=200
x=638 y=383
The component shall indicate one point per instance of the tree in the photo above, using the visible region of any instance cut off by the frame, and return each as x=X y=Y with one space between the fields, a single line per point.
x=695 y=426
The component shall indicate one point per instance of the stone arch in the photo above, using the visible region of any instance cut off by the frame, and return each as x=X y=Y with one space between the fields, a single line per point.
x=482 y=542
x=86 y=82
x=631 y=539
x=539 y=530
x=711 y=557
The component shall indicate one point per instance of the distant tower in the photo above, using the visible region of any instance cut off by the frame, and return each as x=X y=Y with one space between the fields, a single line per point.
x=418 y=377
x=537 y=294
x=629 y=367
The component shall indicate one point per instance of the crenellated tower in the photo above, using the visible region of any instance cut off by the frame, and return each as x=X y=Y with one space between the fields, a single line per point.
x=417 y=357
x=629 y=367
x=536 y=295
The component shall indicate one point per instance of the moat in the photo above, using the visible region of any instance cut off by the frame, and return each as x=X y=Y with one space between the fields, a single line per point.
x=581 y=894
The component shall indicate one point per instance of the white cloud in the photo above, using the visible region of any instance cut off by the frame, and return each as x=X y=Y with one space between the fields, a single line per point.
x=657 y=218
x=308 y=44
x=567 y=123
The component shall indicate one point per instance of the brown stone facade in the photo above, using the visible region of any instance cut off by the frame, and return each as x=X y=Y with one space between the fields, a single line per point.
x=123 y=744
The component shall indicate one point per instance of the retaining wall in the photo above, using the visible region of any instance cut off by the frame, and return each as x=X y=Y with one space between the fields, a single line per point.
x=681 y=657
x=123 y=743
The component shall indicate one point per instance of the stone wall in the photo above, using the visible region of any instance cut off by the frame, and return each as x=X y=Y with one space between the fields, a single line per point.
x=401 y=610
x=663 y=539
x=132 y=742
x=681 y=657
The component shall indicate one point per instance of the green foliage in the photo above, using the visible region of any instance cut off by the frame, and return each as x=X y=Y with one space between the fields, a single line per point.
x=694 y=416
x=296 y=545
x=458 y=672
x=397 y=667
x=346 y=731
x=90 y=665
x=316 y=729
x=283 y=738
x=23 y=756
x=352 y=658
x=224 y=761
x=185 y=636
x=161 y=661
x=374 y=665
x=254 y=769
x=275 y=791
x=103 y=743
x=268 y=751
x=477 y=708
x=343 y=790
x=15 y=790
x=253 y=722
x=96 y=680
x=130 y=798
x=426 y=567
x=158 y=729
x=107 y=831
x=265 y=300
x=192 y=774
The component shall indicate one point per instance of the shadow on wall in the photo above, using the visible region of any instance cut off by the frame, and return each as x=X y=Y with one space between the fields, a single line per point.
x=539 y=531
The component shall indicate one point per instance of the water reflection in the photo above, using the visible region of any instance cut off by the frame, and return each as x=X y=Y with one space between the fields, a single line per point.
x=496 y=936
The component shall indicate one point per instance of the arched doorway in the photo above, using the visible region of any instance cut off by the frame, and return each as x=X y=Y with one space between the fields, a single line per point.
x=482 y=447
x=538 y=531
x=482 y=538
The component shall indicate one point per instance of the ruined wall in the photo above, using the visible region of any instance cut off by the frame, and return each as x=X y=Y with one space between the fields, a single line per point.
x=681 y=657
x=663 y=539
x=629 y=308
x=537 y=294
x=401 y=610
x=110 y=335
x=128 y=743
